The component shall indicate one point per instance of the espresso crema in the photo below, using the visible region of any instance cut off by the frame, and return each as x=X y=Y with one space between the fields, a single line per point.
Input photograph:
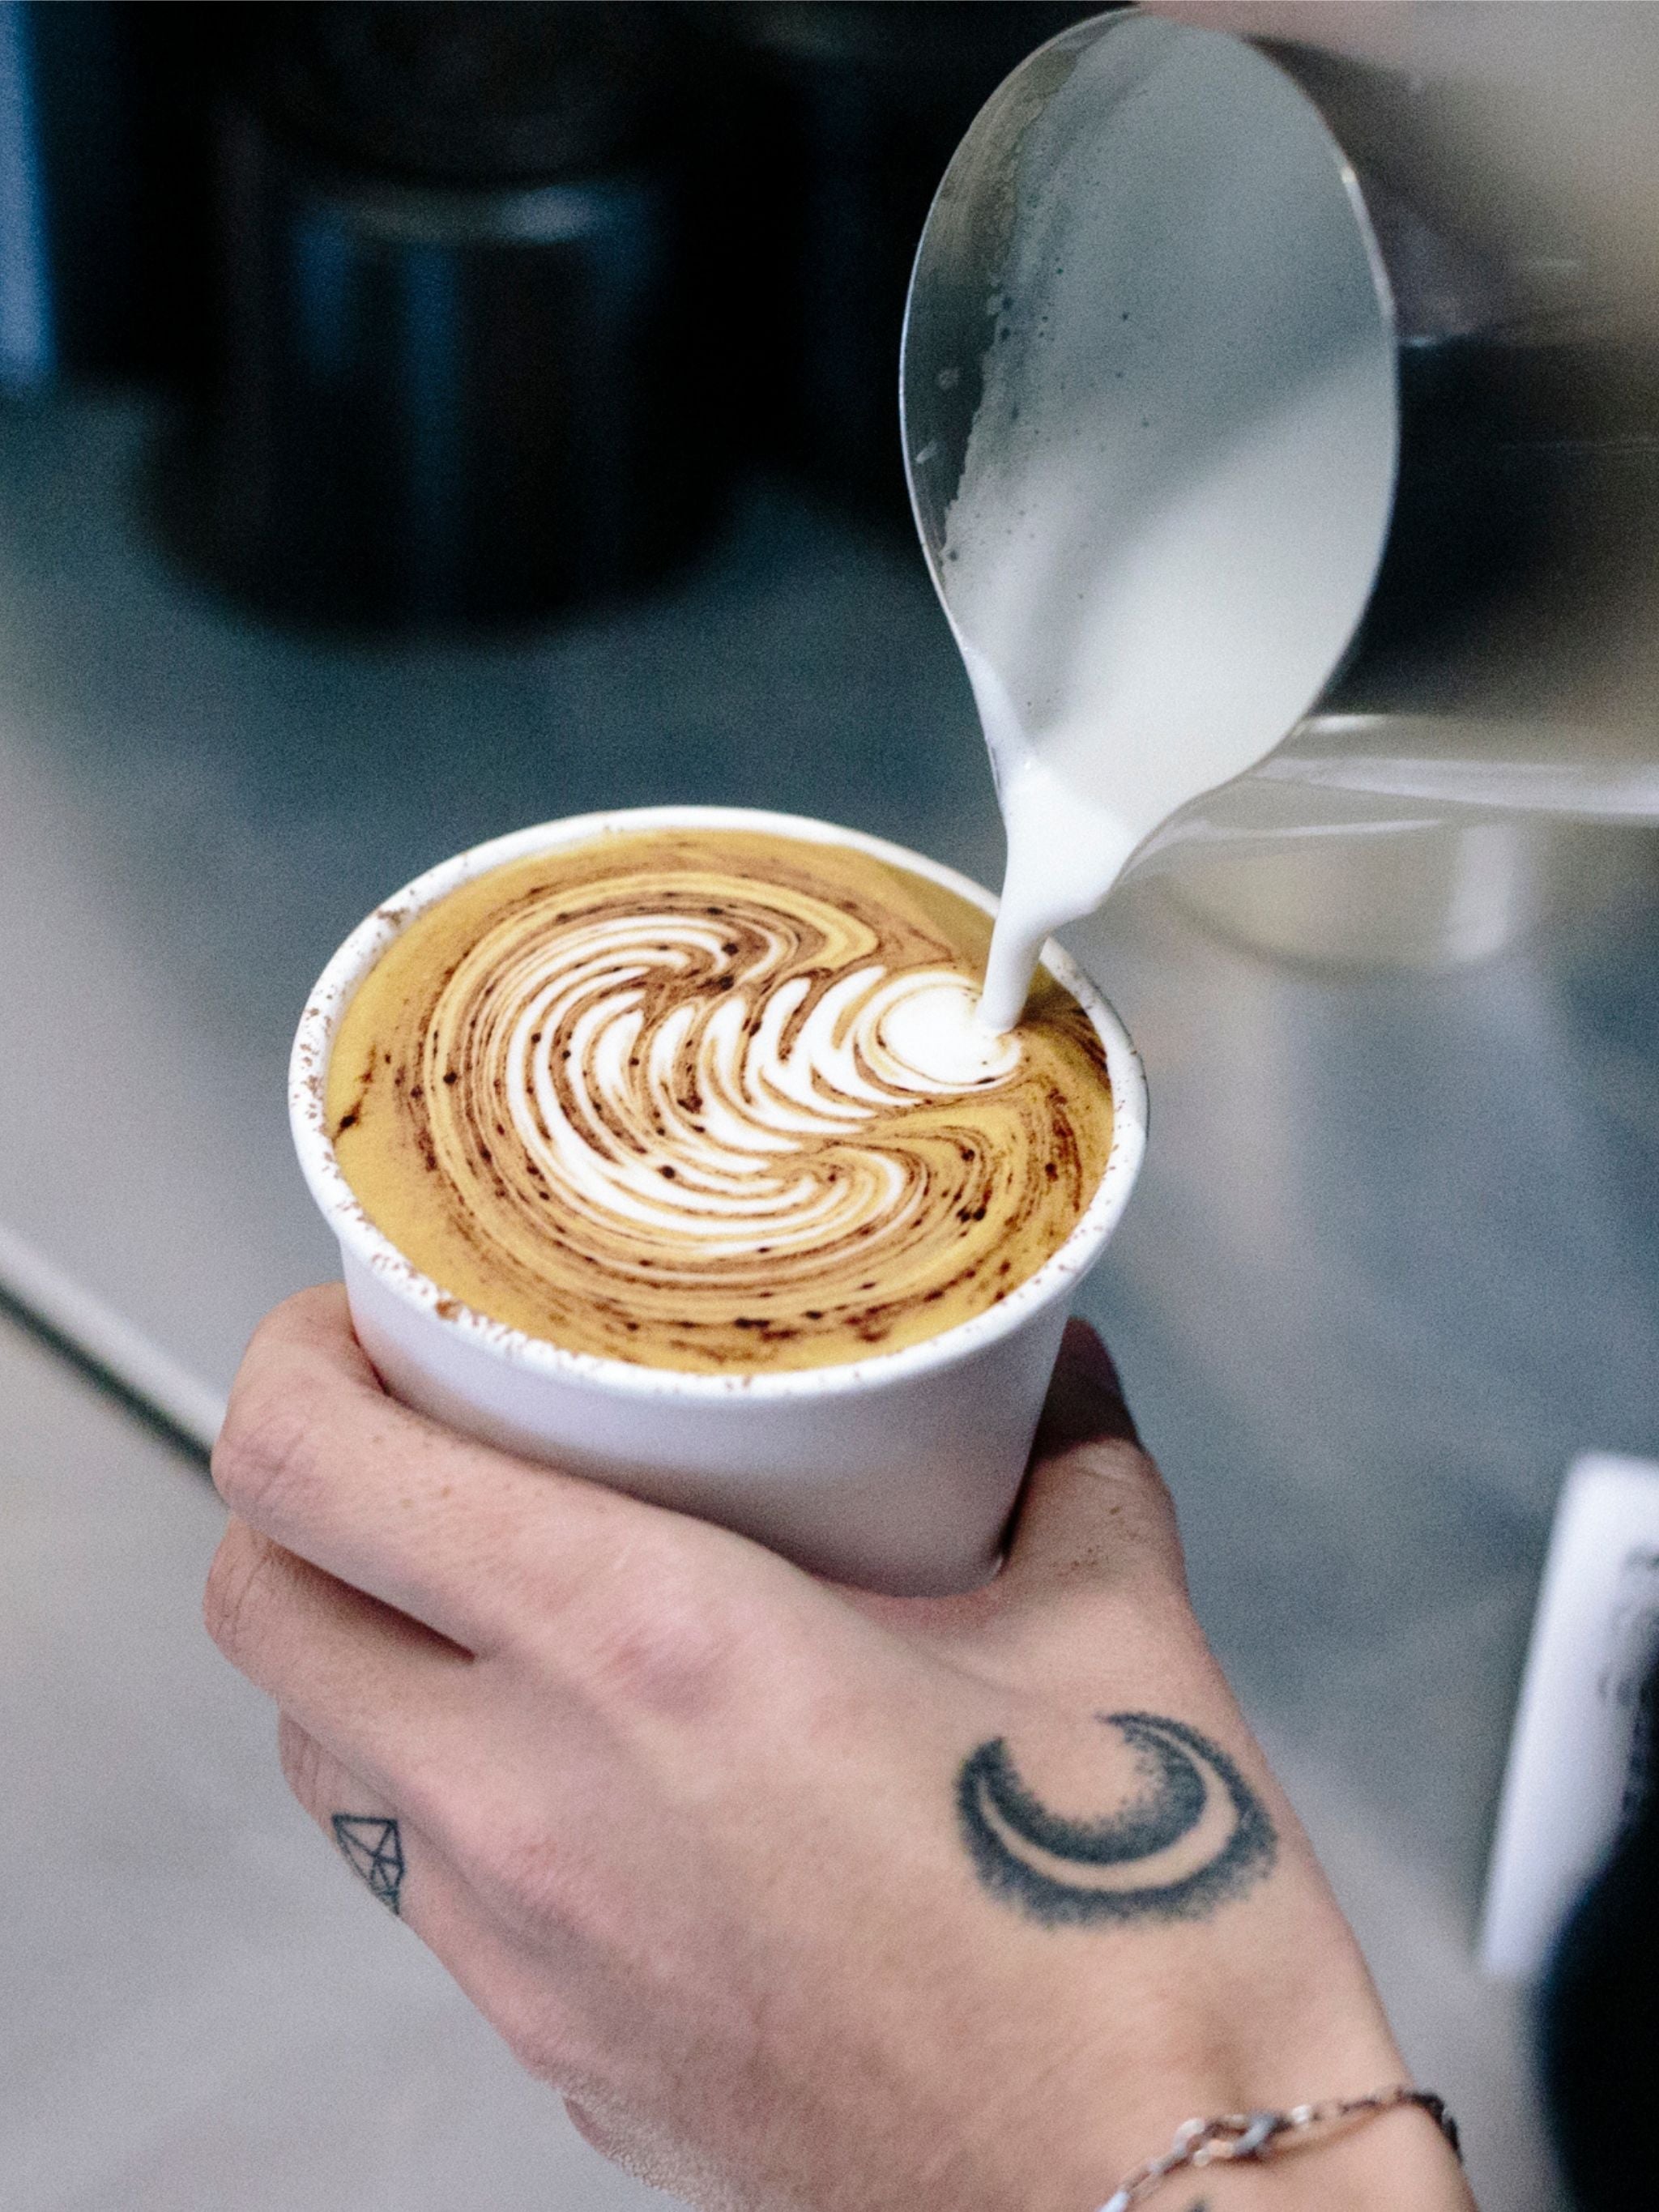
x=714 y=1100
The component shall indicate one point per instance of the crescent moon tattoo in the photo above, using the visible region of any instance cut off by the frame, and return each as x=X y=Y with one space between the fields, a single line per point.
x=1194 y=1835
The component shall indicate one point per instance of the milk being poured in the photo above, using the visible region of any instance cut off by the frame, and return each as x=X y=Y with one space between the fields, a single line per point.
x=1152 y=421
x=1177 y=657
x=1177 y=479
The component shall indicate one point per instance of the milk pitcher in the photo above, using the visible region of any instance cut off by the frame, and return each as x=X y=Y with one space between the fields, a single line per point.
x=1491 y=669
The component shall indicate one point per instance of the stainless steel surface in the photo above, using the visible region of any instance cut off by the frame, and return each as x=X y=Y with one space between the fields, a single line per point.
x=1393 y=1260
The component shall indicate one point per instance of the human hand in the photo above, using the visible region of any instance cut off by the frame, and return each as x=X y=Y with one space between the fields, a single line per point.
x=803 y=1897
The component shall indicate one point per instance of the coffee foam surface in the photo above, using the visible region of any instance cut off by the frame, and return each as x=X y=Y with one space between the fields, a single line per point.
x=713 y=1100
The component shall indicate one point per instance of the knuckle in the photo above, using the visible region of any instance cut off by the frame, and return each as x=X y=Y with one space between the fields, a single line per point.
x=301 y=1757
x=1133 y=1500
x=263 y=1449
x=537 y=1880
x=507 y=1856
x=665 y=1645
x=232 y=1608
x=535 y=2035
x=1153 y=1519
x=617 y=2135
x=596 y=2131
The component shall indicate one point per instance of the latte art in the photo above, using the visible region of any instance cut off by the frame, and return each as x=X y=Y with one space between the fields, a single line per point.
x=684 y=1117
x=651 y=1099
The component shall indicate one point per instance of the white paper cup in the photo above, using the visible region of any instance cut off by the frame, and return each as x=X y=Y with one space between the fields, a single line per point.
x=897 y=1472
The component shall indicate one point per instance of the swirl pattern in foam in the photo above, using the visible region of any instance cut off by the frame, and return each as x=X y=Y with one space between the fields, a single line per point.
x=713 y=1100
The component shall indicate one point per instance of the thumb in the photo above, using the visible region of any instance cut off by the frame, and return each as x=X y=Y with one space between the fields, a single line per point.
x=1094 y=1508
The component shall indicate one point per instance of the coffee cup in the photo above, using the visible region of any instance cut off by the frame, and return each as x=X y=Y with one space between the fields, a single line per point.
x=897 y=1472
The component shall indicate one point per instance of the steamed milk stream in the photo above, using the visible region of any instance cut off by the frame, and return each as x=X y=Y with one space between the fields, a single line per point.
x=1178 y=476
x=714 y=1100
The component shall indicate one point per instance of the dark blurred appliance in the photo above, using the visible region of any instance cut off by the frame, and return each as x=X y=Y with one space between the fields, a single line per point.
x=462 y=373
x=479 y=307
x=1599 y=2022
x=103 y=217
x=855 y=107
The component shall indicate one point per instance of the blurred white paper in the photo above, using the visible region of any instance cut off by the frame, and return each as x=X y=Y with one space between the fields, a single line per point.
x=1570 y=1767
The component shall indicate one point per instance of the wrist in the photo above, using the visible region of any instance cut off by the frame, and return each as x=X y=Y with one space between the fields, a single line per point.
x=1395 y=2158
x=1391 y=2161
x=1095 y=2115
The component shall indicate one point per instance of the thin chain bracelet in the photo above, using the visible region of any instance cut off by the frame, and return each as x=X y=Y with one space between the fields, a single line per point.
x=1249 y=2136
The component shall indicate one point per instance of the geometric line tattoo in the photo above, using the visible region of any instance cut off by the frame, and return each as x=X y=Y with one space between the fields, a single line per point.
x=1195 y=1834
x=374 y=1850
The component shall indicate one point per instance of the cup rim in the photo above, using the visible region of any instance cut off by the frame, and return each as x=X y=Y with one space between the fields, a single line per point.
x=339 y=1204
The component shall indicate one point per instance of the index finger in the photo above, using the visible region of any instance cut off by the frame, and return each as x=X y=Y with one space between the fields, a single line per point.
x=460 y=1535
